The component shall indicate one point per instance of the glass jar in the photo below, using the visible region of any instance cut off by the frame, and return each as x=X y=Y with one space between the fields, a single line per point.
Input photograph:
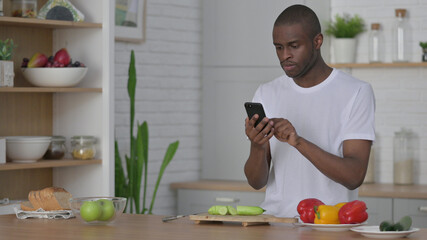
x=24 y=8
x=400 y=37
x=56 y=148
x=376 y=42
x=83 y=147
x=403 y=157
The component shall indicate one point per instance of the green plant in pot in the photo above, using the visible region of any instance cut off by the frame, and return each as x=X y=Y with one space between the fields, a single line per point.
x=6 y=64
x=345 y=29
x=129 y=185
x=423 y=45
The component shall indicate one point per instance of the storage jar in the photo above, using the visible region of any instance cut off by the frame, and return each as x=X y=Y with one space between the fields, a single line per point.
x=83 y=147
x=56 y=148
x=24 y=8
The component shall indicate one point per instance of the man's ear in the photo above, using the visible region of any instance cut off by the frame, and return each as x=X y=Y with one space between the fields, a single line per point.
x=318 y=41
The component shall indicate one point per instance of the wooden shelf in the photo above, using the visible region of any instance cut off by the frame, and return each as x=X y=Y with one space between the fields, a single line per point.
x=48 y=164
x=379 y=65
x=41 y=23
x=47 y=90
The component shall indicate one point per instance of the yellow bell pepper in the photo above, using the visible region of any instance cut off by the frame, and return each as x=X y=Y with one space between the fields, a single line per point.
x=326 y=214
x=339 y=205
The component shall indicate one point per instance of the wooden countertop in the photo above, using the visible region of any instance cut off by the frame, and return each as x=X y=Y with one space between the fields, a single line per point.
x=366 y=190
x=151 y=227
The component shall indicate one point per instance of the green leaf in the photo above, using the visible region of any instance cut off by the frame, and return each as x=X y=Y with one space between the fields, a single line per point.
x=170 y=152
x=345 y=26
x=141 y=159
x=144 y=134
x=119 y=178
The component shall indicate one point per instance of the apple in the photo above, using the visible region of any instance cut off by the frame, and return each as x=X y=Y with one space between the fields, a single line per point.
x=108 y=209
x=62 y=57
x=90 y=211
x=37 y=60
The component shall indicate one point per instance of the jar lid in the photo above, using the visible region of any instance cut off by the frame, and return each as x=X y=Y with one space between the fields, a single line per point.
x=400 y=12
x=375 y=26
x=83 y=139
x=58 y=139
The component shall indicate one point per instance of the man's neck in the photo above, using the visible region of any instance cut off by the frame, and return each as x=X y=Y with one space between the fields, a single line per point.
x=317 y=74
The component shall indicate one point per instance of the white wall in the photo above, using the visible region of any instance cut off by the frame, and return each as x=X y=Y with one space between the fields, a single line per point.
x=401 y=93
x=168 y=93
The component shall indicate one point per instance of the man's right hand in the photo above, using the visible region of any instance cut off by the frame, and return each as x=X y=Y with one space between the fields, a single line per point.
x=260 y=134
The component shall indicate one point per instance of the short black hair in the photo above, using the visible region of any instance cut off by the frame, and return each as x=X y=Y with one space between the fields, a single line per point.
x=300 y=14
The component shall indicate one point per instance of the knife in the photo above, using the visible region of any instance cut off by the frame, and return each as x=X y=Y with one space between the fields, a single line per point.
x=170 y=218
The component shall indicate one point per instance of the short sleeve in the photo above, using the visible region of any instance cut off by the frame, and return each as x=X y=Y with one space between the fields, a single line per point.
x=360 y=122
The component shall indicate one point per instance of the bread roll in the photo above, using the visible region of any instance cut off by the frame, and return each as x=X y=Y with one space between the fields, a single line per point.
x=48 y=199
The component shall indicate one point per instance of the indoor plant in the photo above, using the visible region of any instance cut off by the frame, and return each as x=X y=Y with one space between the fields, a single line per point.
x=6 y=63
x=423 y=45
x=345 y=29
x=130 y=186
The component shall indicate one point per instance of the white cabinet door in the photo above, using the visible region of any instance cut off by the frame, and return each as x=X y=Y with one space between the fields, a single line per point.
x=415 y=208
x=198 y=201
x=379 y=209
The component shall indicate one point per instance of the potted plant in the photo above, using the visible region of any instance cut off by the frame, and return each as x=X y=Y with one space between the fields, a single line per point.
x=423 y=45
x=6 y=63
x=345 y=29
x=129 y=185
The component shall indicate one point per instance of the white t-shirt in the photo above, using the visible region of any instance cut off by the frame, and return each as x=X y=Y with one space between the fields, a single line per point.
x=339 y=108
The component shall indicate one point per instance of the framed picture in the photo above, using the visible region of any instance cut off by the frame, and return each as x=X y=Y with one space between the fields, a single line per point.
x=130 y=20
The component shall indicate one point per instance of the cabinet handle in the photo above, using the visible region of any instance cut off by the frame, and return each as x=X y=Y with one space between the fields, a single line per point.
x=227 y=200
x=422 y=209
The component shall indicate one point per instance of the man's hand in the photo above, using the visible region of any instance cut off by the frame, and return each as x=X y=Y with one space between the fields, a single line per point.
x=260 y=134
x=284 y=131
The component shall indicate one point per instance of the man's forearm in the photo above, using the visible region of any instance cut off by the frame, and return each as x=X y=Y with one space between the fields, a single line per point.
x=257 y=167
x=349 y=170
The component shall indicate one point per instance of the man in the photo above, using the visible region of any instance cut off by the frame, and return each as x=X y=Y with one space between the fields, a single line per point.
x=317 y=141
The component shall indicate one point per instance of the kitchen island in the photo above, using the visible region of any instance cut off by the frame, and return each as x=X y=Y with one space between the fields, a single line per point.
x=147 y=227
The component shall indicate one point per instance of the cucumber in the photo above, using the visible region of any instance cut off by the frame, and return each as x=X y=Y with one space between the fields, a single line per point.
x=249 y=210
x=212 y=210
x=384 y=225
x=222 y=210
x=406 y=223
x=231 y=210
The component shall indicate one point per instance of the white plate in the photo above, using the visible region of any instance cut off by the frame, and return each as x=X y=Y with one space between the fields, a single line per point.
x=374 y=232
x=331 y=227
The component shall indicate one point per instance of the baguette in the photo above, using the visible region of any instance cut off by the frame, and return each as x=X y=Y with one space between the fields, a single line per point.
x=49 y=199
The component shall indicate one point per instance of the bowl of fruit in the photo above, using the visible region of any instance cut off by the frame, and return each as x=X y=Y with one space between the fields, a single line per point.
x=54 y=71
x=97 y=210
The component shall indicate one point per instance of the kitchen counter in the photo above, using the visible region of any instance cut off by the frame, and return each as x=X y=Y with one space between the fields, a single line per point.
x=147 y=227
x=366 y=190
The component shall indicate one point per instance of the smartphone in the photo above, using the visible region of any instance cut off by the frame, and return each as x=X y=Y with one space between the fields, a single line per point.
x=253 y=108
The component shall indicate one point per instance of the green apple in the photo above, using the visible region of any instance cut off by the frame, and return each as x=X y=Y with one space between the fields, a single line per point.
x=90 y=211
x=108 y=209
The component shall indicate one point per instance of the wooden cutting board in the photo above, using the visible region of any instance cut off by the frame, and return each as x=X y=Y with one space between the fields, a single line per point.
x=245 y=220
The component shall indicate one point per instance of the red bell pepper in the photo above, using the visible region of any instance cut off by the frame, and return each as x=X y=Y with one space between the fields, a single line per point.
x=353 y=212
x=305 y=209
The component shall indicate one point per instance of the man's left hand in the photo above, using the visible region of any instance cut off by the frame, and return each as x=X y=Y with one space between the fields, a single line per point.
x=284 y=131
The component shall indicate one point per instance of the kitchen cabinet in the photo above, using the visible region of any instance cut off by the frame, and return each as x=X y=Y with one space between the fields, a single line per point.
x=86 y=109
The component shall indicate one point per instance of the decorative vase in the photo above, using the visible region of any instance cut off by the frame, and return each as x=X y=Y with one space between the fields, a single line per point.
x=6 y=73
x=344 y=50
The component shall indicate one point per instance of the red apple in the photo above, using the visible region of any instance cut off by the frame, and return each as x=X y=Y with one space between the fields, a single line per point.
x=37 y=60
x=62 y=57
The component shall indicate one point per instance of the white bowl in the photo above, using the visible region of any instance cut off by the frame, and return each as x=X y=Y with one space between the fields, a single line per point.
x=54 y=77
x=26 y=149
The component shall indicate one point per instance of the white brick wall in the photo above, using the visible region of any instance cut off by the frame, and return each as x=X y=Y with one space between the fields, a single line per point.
x=401 y=93
x=168 y=66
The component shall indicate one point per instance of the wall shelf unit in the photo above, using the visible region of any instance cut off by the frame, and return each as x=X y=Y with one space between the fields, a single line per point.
x=49 y=164
x=86 y=109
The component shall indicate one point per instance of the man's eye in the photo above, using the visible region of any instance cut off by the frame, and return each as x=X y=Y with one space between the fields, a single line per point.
x=294 y=46
x=278 y=47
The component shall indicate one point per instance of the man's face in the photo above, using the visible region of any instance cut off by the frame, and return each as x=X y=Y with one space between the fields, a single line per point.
x=294 y=48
